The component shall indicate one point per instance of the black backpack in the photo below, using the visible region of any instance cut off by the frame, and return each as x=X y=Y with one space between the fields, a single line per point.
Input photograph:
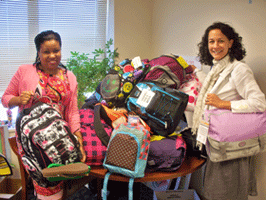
x=161 y=108
x=45 y=138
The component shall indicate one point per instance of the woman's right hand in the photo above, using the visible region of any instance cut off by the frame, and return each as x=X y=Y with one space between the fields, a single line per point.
x=25 y=97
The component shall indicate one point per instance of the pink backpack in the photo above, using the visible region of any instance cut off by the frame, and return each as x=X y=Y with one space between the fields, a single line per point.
x=167 y=71
x=93 y=146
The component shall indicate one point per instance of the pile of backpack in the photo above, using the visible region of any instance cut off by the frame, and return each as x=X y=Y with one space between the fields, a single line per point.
x=130 y=123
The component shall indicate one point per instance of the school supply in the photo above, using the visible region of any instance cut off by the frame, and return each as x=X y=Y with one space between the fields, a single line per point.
x=109 y=115
x=191 y=143
x=96 y=128
x=59 y=172
x=166 y=153
x=119 y=82
x=127 y=153
x=45 y=138
x=162 y=109
x=112 y=114
x=115 y=117
x=94 y=98
x=191 y=86
x=234 y=135
x=167 y=71
x=92 y=144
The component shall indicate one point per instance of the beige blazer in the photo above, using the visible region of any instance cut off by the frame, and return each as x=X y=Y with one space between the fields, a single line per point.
x=236 y=84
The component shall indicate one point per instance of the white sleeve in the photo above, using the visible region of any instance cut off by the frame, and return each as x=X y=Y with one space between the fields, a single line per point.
x=247 y=87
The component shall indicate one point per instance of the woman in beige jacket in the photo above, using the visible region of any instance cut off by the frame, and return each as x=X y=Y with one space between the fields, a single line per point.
x=231 y=85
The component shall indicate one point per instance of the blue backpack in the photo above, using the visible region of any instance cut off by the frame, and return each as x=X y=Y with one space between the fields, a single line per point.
x=127 y=153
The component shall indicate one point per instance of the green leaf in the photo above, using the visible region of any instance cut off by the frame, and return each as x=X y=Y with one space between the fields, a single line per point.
x=90 y=71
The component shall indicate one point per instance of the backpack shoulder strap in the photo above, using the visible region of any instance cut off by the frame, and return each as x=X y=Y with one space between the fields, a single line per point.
x=105 y=182
x=99 y=129
x=130 y=189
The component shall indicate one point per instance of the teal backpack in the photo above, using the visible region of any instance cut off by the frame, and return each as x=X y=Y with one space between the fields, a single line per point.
x=127 y=154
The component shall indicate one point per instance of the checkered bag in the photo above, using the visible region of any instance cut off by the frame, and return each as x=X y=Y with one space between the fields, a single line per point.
x=93 y=146
x=127 y=153
x=96 y=126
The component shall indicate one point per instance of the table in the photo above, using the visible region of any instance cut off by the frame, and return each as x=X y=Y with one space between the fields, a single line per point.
x=190 y=165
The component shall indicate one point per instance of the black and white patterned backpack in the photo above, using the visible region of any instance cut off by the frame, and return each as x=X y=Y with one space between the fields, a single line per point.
x=45 y=138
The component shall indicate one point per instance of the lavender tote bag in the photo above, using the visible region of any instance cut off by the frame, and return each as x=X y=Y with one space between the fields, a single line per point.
x=234 y=135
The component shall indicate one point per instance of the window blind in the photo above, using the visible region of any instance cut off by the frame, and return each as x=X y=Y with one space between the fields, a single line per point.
x=80 y=23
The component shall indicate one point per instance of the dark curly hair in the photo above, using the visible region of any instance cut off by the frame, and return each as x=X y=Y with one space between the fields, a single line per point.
x=237 y=50
x=45 y=36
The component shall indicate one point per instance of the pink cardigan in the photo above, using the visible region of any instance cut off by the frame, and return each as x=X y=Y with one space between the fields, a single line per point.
x=27 y=79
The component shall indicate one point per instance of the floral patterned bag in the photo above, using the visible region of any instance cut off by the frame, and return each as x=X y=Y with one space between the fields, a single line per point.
x=45 y=138
x=191 y=86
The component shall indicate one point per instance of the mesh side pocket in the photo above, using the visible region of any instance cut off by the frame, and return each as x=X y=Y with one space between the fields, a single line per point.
x=163 y=107
x=122 y=151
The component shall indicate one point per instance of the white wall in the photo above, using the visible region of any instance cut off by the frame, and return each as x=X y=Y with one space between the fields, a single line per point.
x=178 y=25
x=149 y=28
x=133 y=25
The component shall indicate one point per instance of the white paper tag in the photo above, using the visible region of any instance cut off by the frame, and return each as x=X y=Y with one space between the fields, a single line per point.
x=145 y=97
x=136 y=62
x=202 y=133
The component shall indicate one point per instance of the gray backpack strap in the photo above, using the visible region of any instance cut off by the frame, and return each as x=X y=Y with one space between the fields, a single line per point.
x=168 y=71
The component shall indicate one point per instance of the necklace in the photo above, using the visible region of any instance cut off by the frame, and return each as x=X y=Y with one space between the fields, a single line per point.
x=51 y=72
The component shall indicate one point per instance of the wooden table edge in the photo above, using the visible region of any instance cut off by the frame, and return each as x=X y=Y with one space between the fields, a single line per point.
x=190 y=165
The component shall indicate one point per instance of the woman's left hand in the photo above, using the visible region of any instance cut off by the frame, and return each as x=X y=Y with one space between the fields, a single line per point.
x=214 y=100
x=80 y=140
x=83 y=153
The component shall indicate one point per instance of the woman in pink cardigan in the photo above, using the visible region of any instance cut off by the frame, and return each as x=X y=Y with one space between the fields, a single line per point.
x=46 y=80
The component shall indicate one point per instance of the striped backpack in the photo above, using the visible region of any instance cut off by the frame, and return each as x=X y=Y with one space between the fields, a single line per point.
x=127 y=153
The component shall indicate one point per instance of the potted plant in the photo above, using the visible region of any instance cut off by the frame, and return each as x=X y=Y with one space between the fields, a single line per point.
x=90 y=71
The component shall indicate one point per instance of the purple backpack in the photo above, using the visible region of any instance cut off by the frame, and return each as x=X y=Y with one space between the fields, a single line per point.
x=167 y=71
x=167 y=154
